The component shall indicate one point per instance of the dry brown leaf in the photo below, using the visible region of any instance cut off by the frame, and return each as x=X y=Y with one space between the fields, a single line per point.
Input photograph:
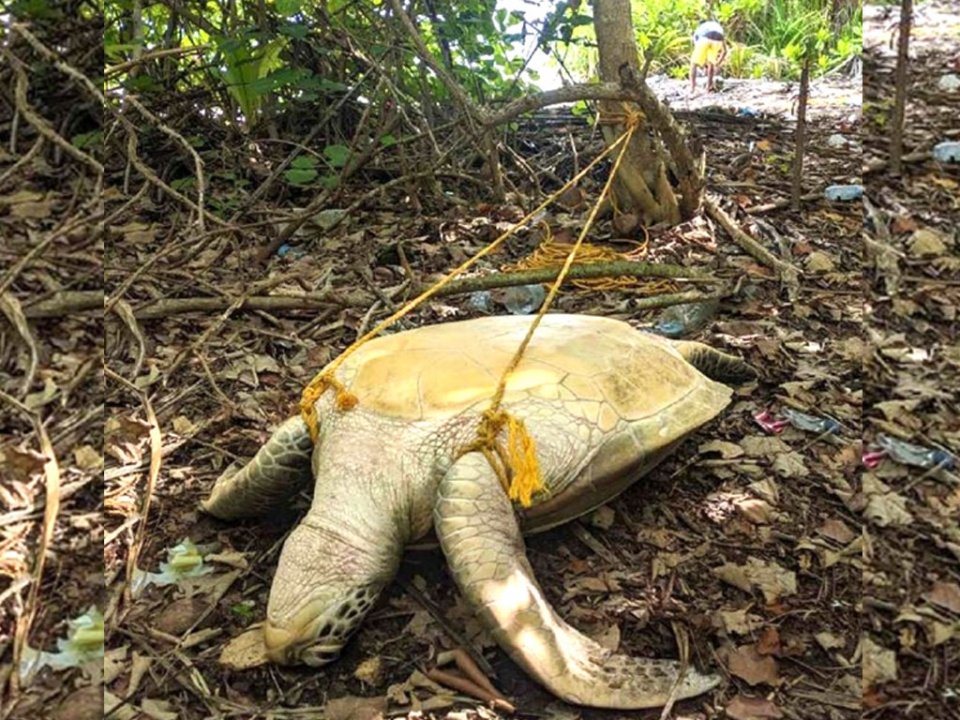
x=726 y=450
x=370 y=671
x=245 y=651
x=82 y=704
x=946 y=595
x=355 y=708
x=829 y=641
x=769 y=641
x=749 y=665
x=771 y=579
x=179 y=615
x=756 y=511
x=925 y=243
x=156 y=709
x=818 y=262
x=750 y=708
x=602 y=517
x=836 y=530
x=879 y=664
x=87 y=458
x=737 y=622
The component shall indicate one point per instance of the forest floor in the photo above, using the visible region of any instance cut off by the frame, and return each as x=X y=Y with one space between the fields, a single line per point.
x=746 y=541
x=911 y=583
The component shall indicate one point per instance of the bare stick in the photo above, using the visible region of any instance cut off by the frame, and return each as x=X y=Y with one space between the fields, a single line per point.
x=51 y=473
x=900 y=99
x=801 y=138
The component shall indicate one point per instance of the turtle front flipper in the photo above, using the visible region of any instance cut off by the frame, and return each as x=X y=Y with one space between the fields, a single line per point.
x=481 y=539
x=278 y=470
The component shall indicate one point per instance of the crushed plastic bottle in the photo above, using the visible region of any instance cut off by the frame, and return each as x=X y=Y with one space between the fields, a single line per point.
x=810 y=423
x=679 y=320
x=83 y=644
x=748 y=112
x=947 y=151
x=524 y=299
x=481 y=300
x=837 y=141
x=294 y=253
x=916 y=455
x=184 y=560
x=949 y=82
x=843 y=193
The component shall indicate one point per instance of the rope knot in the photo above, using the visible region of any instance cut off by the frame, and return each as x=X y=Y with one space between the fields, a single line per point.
x=345 y=400
x=518 y=467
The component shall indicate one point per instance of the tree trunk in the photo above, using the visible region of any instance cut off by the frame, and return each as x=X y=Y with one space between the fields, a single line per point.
x=643 y=184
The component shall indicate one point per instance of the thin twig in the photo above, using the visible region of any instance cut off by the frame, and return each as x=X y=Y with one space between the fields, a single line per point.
x=51 y=473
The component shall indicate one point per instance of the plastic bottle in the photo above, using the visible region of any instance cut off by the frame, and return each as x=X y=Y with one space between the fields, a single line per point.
x=947 y=151
x=481 y=300
x=843 y=193
x=524 y=299
x=917 y=455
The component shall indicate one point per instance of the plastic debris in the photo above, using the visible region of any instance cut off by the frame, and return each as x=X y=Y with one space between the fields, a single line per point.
x=83 y=644
x=947 y=151
x=843 y=193
x=481 y=300
x=183 y=561
x=872 y=458
x=949 y=82
x=837 y=140
x=290 y=251
x=679 y=320
x=749 y=112
x=811 y=423
x=524 y=299
x=915 y=455
x=769 y=423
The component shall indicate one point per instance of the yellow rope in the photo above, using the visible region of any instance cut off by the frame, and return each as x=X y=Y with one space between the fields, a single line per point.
x=551 y=253
x=522 y=467
x=326 y=379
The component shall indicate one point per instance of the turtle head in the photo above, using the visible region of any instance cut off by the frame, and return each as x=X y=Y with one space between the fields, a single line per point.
x=326 y=582
x=318 y=630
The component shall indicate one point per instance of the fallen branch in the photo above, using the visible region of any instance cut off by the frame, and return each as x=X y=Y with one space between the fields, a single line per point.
x=585 y=271
x=66 y=303
x=882 y=163
x=747 y=243
x=782 y=203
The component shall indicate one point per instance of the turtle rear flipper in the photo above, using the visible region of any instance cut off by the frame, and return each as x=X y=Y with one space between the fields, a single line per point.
x=716 y=365
x=481 y=539
x=278 y=470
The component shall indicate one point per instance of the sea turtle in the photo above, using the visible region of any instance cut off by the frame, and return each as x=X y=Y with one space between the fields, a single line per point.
x=603 y=403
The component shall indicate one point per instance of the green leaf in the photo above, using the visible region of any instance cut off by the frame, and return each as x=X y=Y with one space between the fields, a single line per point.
x=89 y=139
x=300 y=176
x=294 y=30
x=388 y=140
x=289 y=7
x=243 y=609
x=247 y=68
x=304 y=162
x=337 y=155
